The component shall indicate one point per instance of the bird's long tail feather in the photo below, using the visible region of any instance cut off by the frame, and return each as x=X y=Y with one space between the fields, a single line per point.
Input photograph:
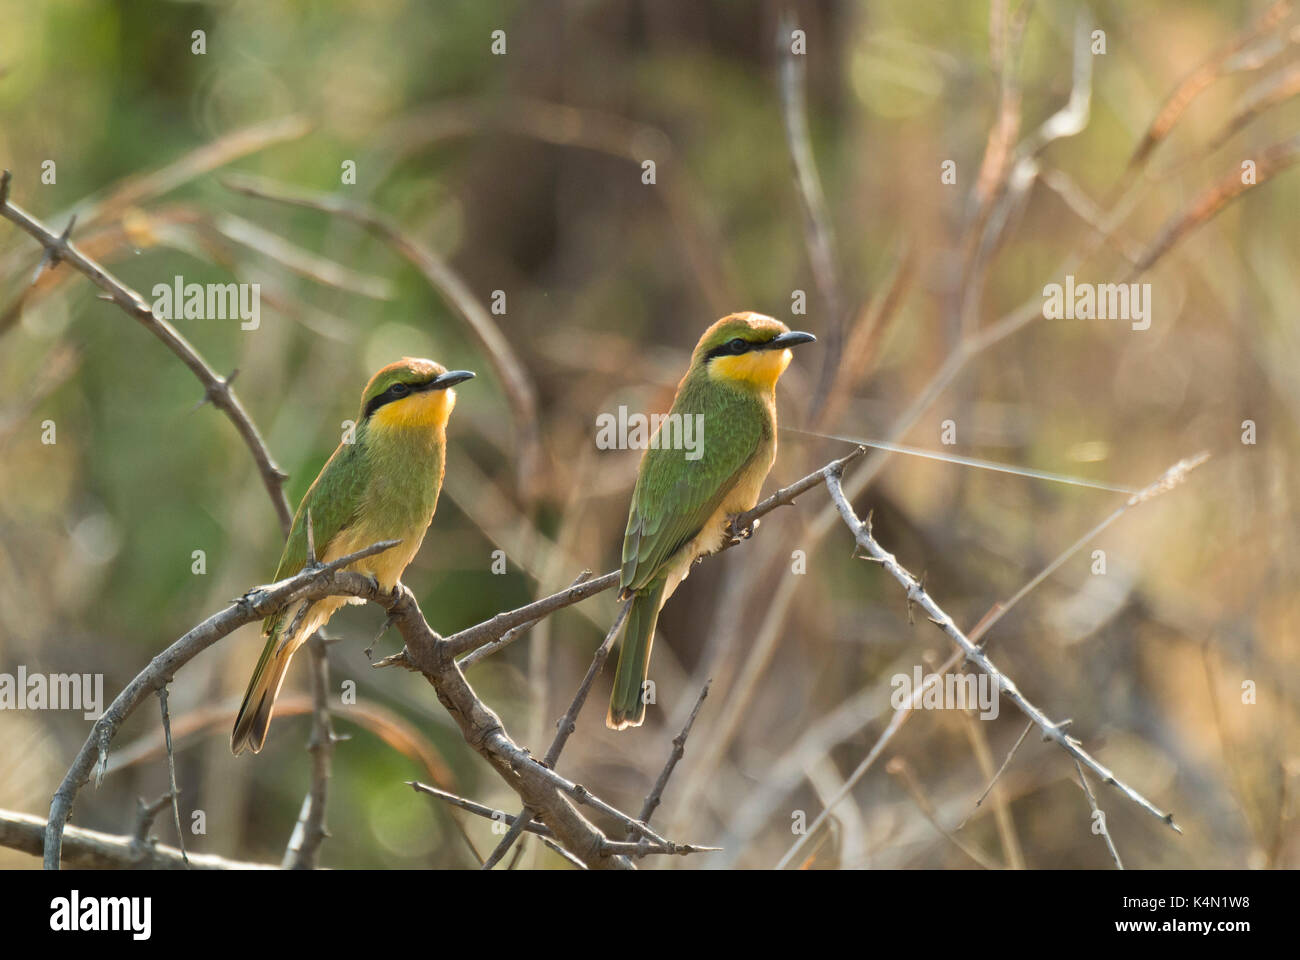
x=626 y=703
x=255 y=713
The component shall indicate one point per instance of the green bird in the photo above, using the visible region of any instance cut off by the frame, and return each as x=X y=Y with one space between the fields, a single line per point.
x=380 y=484
x=684 y=498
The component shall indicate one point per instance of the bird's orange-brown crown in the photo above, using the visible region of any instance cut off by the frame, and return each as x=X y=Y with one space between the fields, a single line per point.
x=411 y=392
x=748 y=349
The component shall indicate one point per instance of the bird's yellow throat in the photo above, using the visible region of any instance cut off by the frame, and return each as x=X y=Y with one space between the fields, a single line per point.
x=761 y=368
x=427 y=411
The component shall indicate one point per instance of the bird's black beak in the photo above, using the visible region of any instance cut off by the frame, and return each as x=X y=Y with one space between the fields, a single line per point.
x=450 y=379
x=791 y=339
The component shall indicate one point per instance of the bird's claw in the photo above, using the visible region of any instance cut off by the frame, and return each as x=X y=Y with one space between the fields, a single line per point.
x=742 y=534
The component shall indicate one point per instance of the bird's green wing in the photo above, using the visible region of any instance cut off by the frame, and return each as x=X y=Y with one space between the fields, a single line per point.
x=675 y=496
x=334 y=500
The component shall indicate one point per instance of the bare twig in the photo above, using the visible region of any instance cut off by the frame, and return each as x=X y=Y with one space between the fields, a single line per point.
x=1002 y=818
x=901 y=770
x=145 y=814
x=211 y=156
x=92 y=850
x=492 y=630
x=489 y=631
x=566 y=725
x=786 y=495
x=474 y=807
x=1170 y=478
x=847 y=719
x=1197 y=81
x=679 y=750
x=310 y=831
x=917 y=594
x=541 y=789
x=1002 y=769
x=59 y=248
x=1014 y=178
x=1213 y=199
x=253 y=606
x=302 y=262
x=895 y=724
x=174 y=793
x=639 y=848
x=511 y=634
x=1275 y=90
x=389 y=727
x=1098 y=818
x=818 y=234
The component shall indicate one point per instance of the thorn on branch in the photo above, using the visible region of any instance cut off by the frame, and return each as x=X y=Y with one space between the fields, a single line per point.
x=398 y=659
x=388 y=622
x=220 y=386
x=53 y=255
x=1057 y=728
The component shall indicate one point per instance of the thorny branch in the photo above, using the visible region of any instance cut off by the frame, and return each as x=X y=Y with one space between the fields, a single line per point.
x=59 y=248
x=916 y=594
x=566 y=725
x=679 y=750
x=310 y=831
x=425 y=651
x=555 y=798
x=253 y=606
x=92 y=850
x=638 y=848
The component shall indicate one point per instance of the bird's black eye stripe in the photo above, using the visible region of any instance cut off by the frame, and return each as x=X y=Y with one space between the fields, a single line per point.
x=396 y=392
x=734 y=348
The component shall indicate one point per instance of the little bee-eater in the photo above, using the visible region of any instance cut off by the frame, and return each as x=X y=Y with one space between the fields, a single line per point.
x=681 y=504
x=381 y=483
